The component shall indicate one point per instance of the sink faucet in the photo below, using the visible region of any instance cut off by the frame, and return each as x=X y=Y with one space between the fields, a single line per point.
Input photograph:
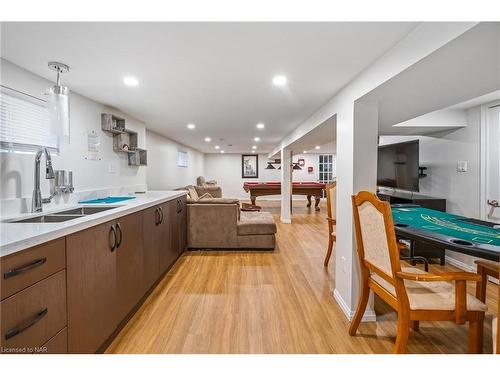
x=36 y=203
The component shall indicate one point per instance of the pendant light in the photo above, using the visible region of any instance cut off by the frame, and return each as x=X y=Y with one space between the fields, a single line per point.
x=58 y=104
x=270 y=165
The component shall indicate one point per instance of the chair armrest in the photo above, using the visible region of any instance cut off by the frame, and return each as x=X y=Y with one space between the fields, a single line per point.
x=402 y=246
x=487 y=266
x=445 y=276
x=460 y=279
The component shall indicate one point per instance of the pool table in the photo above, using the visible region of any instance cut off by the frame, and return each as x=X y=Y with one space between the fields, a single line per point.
x=309 y=189
x=453 y=232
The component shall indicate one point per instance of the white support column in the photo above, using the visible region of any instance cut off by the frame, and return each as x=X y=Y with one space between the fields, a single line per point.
x=357 y=132
x=286 y=186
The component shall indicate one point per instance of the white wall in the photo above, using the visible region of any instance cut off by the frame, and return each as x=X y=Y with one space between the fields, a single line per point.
x=420 y=42
x=162 y=171
x=85 y=115
x=440 y=153
x=226 y=169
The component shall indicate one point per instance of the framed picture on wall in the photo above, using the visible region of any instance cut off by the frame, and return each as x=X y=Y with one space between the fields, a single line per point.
x=249 y=166
x=182 y=159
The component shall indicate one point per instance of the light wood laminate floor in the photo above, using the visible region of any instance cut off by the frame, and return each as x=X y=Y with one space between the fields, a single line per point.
x=271 y=302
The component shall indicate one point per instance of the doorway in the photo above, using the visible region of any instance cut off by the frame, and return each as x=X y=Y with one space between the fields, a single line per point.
x=490 y=200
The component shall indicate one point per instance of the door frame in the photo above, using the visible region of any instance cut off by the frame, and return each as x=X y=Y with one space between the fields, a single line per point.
x=483 y=209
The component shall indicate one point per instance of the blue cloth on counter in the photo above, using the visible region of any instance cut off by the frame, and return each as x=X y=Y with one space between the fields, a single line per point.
x=107 y=200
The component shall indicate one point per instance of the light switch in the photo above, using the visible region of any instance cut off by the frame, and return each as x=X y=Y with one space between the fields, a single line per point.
x=111 y=167
x=461 y=166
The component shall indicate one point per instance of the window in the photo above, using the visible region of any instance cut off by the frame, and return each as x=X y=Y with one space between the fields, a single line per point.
x=24 y=123
x=326 y=169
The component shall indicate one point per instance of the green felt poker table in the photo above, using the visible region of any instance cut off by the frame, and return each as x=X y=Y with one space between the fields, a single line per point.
x=453 y=232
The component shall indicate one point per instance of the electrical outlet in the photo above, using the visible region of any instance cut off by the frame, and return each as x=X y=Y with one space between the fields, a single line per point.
x=461 y=166
x=344 y=266
x=112 y=167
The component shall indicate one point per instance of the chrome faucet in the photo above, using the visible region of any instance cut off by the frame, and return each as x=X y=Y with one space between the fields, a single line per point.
x=37 y=201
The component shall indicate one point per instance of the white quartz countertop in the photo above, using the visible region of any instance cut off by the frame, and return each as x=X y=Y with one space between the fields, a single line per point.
x=19 y=236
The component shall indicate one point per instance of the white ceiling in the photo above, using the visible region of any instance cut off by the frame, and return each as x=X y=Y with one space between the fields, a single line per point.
x=323 y=135
x=215 y=75
x=464 y=69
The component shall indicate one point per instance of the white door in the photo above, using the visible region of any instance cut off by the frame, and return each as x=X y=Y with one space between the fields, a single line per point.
x=326 y=172
x=492 y=164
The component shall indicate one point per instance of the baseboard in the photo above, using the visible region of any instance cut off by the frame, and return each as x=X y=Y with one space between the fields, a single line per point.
x=466 y=267
x=459 y=264
x=369 y=315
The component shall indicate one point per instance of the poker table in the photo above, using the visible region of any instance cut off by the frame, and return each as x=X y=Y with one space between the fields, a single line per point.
x=309 y=189
x=453 y=232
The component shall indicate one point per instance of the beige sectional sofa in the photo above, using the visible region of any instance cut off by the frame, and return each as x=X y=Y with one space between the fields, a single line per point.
x=218 y=223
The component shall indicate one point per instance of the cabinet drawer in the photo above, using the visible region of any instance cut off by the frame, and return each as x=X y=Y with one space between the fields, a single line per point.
x=27 y=267
x=31 y=317
x=57 y=344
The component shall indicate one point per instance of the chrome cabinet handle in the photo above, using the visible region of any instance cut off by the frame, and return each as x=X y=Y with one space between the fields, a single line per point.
x=112 y=246
x=24 y=326
x=494 y=203
x=119 y=227
x=26 y=267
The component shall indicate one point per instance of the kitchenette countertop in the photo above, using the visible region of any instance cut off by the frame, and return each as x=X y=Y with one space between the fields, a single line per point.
x=19 y=236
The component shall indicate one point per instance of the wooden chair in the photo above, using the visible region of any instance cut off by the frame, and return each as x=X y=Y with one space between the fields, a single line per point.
x=414 y=294
x=331 y=205
x=487 y=268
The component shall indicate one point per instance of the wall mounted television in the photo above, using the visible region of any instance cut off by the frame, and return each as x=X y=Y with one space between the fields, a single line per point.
x=397 y=166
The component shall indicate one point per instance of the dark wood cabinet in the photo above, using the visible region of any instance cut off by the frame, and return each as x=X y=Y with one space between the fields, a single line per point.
x=178 y=224
x=151 y=247
x=129 y=263
x=89 y=281
x=167 y=253
x=182 y=220
x=22 y=269
x=33 y=316
x=92 y=287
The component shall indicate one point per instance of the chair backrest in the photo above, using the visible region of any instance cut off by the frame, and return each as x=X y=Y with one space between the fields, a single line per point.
x=331 y=200
x=375 y=235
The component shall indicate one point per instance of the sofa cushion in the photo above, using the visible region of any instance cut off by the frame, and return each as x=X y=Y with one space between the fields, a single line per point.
x=215 y=201
x=256 y=223
x=193 y=194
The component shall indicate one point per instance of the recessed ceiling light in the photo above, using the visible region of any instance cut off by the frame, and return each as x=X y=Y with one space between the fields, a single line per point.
x=221 y=151
x=253 y=151
x=304 y=152
x=317 y=147
x=279 y=80
x=191 y=126
x=260 y=126
x=256 y=139
x=130 y=81
x=217 y=147
x=254 y=147
x=208 y=139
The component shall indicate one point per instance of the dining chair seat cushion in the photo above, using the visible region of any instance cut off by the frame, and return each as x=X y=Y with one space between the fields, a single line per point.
x=436 y=295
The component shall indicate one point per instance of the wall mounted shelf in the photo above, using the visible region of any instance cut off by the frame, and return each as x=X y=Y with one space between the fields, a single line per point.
x=124 y=140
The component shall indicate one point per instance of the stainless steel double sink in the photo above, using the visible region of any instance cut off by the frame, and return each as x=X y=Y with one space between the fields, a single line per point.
x=64 y=215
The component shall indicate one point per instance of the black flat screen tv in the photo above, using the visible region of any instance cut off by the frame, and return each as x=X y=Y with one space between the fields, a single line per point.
x=397 y=166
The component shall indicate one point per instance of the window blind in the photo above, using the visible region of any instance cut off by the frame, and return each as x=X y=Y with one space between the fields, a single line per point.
x=24 y=122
